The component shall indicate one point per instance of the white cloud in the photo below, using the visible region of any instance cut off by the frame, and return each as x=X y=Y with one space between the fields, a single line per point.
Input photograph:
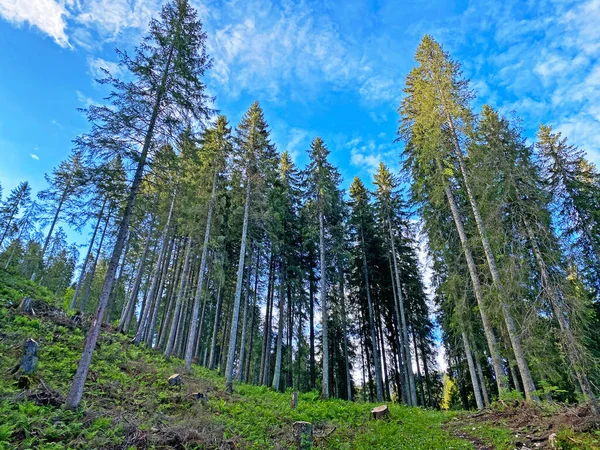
x=34 y=156
x=49 y=16
x=381 y=89
x=85 y=100
x=271 y=50
x=98 y=65
x=110 y=18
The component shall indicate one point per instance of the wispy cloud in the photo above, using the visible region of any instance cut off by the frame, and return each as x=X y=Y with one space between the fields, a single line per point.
x=34 y=156
x=85 y=100
x=48 y=16
x=97 y=66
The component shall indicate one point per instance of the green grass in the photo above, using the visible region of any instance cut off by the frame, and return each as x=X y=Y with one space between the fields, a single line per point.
x=128 y=403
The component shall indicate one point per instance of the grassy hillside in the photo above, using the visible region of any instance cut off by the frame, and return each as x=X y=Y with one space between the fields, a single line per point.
x=128 y=403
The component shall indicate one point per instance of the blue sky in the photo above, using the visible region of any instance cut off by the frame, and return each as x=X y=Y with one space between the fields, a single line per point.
x=334 y=69
x=330 y=68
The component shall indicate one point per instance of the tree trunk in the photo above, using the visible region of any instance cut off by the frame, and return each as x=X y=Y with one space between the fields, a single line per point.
x=375 y=350
x=487 y=326
x=404 y=330
x=171 y=293
x=311 y=308
x=325 y=312
x=281 y=307
x=112 y=299
x=345 y=331
x=213 y=345
x=87 y=257
x=86 y=294
x=164 y=244
x=238 y=294
x=513 y=334
x=422 y=392
x=572 y=348
x=149 y=335
x=181 y=293
x=129 y=309
x=474 y=379
x=266 y=349
x=47 y=241
x=194 y=324
x=484 y=391
x=243 y=343
x=399 y=341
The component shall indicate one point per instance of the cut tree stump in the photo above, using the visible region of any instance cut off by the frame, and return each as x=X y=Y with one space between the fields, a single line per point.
x=30 y=358
x=294 y=400
x=174 y=380
x=303 y=431
x=380 y=412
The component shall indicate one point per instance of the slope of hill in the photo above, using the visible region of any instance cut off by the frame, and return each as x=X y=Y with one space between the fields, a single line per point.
x=129 y=404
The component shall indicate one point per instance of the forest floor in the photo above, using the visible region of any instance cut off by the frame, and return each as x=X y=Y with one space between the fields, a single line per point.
x=128 y=403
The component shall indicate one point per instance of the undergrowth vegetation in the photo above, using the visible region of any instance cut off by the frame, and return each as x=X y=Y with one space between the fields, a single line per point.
x=128 y=403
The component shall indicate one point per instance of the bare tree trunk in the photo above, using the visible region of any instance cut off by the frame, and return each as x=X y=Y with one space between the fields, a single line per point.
x=149 y=335
x=426 y=370
x=345 y=331
x=238 y=294
x=399 y=340
x=404 y=330
x=472 y=372
x=242 y=366
x=194 y=324
x=572 y=348
x=112 y=299
x=375 y=350
x=213 y=345
x=484 y=391
x=266 y=349
x=513 y=334
x=281 y=307
x=171 y=293
x=49 y=235
x=249 y=352
x=311 y=307
x=164 y=244
x=325 y=312
x=86 y=294
x=177 y=312
x=87 y=257
x=418 y=367
x=487 y=326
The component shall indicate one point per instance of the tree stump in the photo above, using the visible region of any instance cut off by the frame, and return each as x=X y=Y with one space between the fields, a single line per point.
x=174 y=380
x=380 y=412
x=303 y=431
x=294 y=400
x=201 y=397
x=25 y=306
x=30 y=359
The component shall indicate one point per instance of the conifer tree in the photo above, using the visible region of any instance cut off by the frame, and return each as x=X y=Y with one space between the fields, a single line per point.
x=362 y=220
x=19 y=197
x=166 y=92
x=575 y=186
x=256 y=160
x=322 y=180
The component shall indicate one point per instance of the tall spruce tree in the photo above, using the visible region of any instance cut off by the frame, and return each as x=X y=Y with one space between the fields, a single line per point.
x=165 y=93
